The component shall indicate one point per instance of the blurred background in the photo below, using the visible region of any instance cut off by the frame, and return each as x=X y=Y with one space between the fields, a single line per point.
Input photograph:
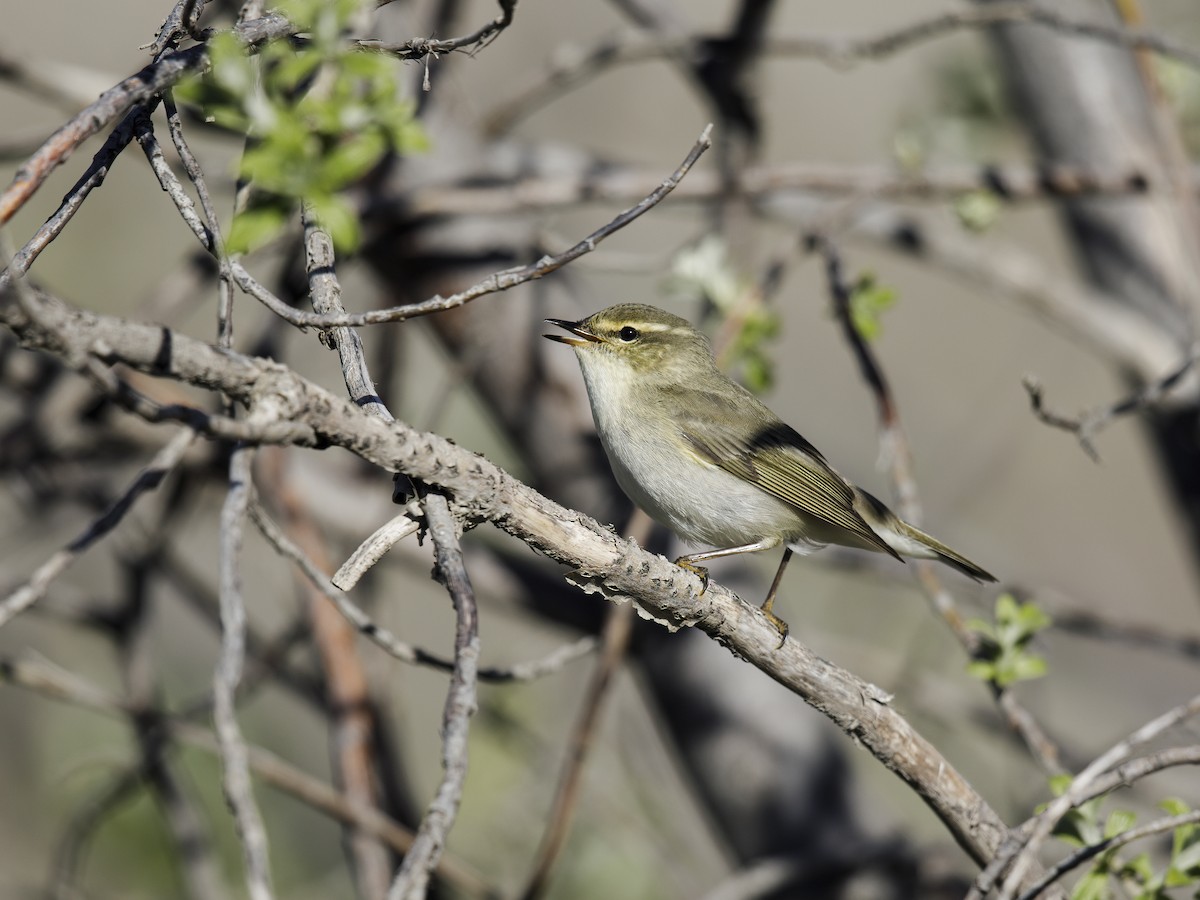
x=702 y=774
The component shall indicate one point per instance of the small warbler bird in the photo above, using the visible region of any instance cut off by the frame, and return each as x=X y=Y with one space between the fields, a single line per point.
x=704 y=457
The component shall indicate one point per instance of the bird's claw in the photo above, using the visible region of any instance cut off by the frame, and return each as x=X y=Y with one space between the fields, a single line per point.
x=699 y=571
x=779 y=625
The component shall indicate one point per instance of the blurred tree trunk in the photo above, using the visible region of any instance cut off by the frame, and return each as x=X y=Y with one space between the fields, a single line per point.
x=1098 y=106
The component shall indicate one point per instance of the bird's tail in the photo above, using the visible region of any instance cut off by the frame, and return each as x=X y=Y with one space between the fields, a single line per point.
x=939 y=551
x=908 y=540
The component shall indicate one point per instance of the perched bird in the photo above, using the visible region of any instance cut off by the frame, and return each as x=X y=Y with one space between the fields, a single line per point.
x=706 y=458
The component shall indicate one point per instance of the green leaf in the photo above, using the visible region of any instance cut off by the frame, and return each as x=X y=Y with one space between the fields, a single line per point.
x=978 y=210
x=1176 y=878
x=1173 y=806
x=1188 y=859
x=1139 y=869
x=981 y=669
x=1119 y=820
x=320 y=115
x=868 y=301
x=1032 y=619
x=1077 y=828
x=350 y=160
x=1003 y=644
x=1060 y=784
x=293 y=69
x=1092 y=886
x=1024 y=668
x=338 y=217
x=231 y=67
x=256 y=226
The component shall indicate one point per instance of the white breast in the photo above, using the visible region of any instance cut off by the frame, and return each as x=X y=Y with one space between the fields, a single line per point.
x=697 y=500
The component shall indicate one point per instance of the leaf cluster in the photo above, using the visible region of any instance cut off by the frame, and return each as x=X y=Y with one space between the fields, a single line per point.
x=320 y=114
x=1084 y=826
x=1003 y=657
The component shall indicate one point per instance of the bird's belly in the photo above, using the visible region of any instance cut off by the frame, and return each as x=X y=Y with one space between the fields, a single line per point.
x=700 y=502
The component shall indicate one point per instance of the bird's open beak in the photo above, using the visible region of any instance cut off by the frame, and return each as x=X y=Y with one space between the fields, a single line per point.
x=582 y=338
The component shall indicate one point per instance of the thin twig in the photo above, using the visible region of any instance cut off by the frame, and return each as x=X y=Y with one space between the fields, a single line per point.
x=354 y=715
x=92 y=178
x=418 y=48
x=147 y=480
x=1024 y=854
x=271 y=769
x=498 y=281
x=179 y=22
x=412 y=879
x=1009 y=183
x=235 y=781
x=1079 y=857
x=115 y=102
x=1087 y=425
x=576 y=65
x=207 y=231
x=171 y=185
x=392 y=645
x=387 y=641
x=196 y=174
x=1136 y=769
x=326 y=295
x=373 y=549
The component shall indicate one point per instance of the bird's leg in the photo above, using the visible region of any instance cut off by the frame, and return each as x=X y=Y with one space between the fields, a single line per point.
x=689 y=563
x=780 y=625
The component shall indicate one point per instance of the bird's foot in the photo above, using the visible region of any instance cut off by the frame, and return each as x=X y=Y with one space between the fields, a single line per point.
x=779 y=625
x=699 y=571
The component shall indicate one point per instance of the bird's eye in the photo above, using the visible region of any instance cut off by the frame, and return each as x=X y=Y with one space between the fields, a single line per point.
x=629 y=334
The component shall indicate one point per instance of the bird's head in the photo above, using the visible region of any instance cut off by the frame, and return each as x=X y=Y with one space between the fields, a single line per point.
x=637 y=338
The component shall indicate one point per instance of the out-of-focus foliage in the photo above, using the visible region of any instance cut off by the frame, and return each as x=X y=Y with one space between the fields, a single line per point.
x=1181 y=84
x=1109 y=876
x=705 y=272
x=1004 y=657
x=869 y=300
x=320 y=115
x=978 y=210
